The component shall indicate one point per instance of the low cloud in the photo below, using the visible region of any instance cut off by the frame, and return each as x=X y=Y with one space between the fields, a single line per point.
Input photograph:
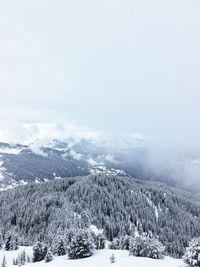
x=107 y=68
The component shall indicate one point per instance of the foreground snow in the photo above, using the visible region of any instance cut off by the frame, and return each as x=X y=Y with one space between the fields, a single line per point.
x=99 y=259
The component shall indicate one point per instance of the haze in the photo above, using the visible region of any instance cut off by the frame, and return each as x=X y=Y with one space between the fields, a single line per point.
x=117 y=68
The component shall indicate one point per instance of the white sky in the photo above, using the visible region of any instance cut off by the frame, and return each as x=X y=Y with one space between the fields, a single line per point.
x=84 y=67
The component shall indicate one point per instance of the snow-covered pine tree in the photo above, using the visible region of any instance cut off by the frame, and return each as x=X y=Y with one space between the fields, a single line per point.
x=11 y=242
x=23 y=257
x=59 y=248
x=49 y=256
x=125 y=242
x=115 y=244
x=1 y=240
x=14 y=243
x=81 y=246
x=69 y=234
x=28 y=259
x=4 y=263
x=8 y=242
x=155 y=249
x=112 y=258
x=39 y=251
x=100 y=241
x=146 y=247
x=192 y=254
x=14 y=261
x=18 y=260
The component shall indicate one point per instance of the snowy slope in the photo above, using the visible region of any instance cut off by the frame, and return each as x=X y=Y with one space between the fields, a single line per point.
x=13 y=254
x=99 y=259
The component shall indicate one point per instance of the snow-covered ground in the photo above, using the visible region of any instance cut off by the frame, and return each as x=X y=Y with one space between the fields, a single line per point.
x=13 y=254
x=99 y=259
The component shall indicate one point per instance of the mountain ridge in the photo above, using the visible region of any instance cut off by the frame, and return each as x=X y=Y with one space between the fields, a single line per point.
x=49 y=159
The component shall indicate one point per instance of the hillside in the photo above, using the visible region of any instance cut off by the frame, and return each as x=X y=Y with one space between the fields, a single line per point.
x=118 y=205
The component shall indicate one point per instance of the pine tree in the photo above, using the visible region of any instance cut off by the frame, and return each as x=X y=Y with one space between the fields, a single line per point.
x=69 y=236
x=146 y=247
x=100 y=241
x=125 y=242
x=115 y=244
x=1 y=240
x=14 y=261
x=11 y=242
x=59 y=247
x=49 y=256
x=4 y=263
x=28 y=259
x=112 y=258
x=39 y=251
x=8 y=242
x=14 y=242
x=19 y=260
x=192 y=255
x=81 y=246
x=23 y=257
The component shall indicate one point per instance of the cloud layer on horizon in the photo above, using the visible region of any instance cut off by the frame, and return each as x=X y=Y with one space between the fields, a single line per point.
x=115 y=67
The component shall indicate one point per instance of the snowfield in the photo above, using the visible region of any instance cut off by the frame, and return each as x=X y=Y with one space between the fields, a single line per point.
x=99 y=259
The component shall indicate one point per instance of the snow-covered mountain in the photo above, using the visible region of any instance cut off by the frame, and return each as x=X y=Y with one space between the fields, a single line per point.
x=51 y=159
x=47 y=159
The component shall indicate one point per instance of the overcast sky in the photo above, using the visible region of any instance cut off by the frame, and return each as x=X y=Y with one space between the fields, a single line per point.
x=91 y=67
